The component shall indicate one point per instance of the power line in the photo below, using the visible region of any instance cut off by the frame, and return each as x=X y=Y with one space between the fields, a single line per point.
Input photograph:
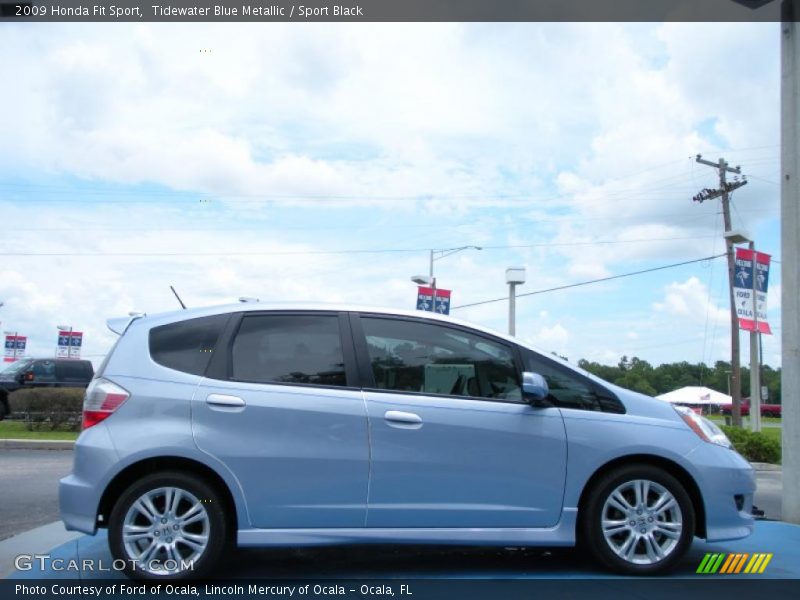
x=555 y=219
x=581 y=283
x=347 y=251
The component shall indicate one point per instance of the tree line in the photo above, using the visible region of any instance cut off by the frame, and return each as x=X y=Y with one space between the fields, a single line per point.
x=639 y=375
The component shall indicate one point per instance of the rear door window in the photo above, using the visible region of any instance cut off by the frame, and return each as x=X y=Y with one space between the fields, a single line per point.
x=298 y=349
x=186 y=345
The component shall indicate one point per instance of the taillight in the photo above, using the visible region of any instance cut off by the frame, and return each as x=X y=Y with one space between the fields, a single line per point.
x=101 y=400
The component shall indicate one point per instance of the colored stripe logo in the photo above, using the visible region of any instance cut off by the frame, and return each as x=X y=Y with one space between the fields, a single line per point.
x=733 y=564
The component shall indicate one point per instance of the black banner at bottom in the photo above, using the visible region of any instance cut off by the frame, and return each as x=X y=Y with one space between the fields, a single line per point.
x=410 y=589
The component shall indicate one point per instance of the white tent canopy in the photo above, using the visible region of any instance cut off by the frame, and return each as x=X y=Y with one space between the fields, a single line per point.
x=695 y=395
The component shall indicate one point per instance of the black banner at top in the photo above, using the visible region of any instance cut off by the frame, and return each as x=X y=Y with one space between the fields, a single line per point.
x=395 y=10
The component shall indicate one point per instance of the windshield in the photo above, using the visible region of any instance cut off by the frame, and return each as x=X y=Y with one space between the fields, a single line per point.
x=15 y=368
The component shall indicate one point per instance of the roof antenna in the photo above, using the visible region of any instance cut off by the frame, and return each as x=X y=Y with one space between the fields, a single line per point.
x=183 y=306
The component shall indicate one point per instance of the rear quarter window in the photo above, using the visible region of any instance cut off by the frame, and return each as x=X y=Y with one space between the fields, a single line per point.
x=188 y=345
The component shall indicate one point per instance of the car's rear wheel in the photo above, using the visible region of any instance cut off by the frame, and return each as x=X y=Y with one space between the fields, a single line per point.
x=169 y=526
x=638 y=520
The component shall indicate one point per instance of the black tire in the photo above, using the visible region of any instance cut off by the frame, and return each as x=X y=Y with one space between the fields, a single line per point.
x=655 y=528
x=216 y=527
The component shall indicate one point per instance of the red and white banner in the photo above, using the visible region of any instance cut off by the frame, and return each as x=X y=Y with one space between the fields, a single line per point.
x=425 y=300
x=15 y=347
x=69 y=344
x=751 y=318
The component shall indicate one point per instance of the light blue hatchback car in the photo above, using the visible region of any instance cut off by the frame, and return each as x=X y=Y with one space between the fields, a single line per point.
x=284 y=425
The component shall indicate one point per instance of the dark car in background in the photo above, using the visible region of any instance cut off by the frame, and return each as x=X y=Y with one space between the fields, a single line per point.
x=42 y=372
x=767 y=410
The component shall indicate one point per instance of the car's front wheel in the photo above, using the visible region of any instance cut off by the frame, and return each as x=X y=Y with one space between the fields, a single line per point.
x=167 y=526
x=638 y=520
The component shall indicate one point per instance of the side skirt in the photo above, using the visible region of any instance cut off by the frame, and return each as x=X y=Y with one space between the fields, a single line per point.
x=563 y=534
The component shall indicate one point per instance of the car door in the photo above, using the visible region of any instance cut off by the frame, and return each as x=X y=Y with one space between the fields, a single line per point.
x=453 y=443
x=281 y=408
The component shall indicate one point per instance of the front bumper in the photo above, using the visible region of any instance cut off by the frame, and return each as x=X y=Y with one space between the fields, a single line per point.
x=727 y=484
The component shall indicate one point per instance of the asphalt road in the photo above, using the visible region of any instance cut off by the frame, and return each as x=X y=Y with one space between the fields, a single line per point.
x=768 y=493
x=29 y=489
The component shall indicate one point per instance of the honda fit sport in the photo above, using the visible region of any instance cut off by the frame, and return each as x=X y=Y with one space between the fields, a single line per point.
x=276 y=425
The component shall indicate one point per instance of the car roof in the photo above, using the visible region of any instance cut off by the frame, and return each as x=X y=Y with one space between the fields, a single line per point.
x=55 y=359
x=120 y=324
x=190 y=313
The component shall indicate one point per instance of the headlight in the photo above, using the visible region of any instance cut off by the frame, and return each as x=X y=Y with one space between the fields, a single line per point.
x=704 y=428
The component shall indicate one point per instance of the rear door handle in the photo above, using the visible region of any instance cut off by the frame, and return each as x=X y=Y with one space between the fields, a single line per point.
x=225 y=400
x=405 y=418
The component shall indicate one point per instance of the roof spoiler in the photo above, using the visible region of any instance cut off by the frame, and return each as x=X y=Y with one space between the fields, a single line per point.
x=119 y=325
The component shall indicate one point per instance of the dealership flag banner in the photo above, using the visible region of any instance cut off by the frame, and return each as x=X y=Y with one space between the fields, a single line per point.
x=15 y=347
x=425 y=300
x=743 y=289
x=69 y=344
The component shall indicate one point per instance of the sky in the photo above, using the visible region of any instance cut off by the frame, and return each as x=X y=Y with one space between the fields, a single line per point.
x=322 y=162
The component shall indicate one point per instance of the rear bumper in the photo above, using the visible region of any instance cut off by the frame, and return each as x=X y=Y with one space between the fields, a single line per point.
x=79 y=493
x=74 y=496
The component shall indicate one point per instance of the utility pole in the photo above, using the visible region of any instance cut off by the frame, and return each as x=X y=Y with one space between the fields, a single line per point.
x=724 y=192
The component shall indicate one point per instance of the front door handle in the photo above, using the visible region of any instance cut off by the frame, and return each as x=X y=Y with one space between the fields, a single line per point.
x=225 y=400
x=403 y=418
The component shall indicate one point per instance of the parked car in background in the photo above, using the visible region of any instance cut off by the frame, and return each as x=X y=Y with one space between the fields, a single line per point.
x=295 y=425
x=42 y=372
x=767 y=410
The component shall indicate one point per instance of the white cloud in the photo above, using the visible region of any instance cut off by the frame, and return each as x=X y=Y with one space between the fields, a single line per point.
x=443 y=134
x=554 y=338
x=690 y=301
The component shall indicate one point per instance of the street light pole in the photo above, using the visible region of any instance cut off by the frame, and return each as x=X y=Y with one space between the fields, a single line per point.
x=755 y=359
x=514 y=276
x=433 y=285
x=431 y=279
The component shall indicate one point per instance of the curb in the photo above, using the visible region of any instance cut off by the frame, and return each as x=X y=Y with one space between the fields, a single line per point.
x=765 y=466
x=37 y=444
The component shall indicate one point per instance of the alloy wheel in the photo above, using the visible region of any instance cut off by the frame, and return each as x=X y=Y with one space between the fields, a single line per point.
x=165 y=529
x=641 y=522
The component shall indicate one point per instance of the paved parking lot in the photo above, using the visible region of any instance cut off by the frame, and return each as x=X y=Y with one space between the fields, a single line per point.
x=29 y=488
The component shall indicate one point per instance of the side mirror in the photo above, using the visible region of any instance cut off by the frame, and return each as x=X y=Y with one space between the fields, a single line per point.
x=534 y=387
x=27 y=377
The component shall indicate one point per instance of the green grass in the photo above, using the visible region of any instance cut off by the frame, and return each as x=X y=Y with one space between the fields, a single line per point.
x=16 y=430
x=720 y=420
